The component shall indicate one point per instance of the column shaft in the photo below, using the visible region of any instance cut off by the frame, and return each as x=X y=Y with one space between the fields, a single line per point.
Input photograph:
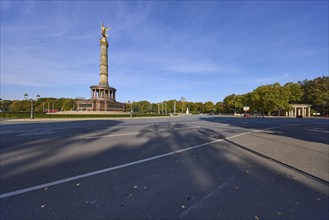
x=103 y=62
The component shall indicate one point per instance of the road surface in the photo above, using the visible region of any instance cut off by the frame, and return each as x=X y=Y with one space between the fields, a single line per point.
x=192 y=167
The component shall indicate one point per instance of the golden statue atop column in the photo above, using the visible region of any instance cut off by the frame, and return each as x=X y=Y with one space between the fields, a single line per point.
x=105 y=36
x=104 y=29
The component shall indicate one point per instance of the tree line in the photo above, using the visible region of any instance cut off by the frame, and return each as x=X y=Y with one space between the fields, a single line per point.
x=265 y=99
x=174 y=106
x=40 y=105
x=274 y=98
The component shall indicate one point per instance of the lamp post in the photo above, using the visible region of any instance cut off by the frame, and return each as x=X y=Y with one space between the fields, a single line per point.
x=26 y=96
x=175 y=107
x=131 y=110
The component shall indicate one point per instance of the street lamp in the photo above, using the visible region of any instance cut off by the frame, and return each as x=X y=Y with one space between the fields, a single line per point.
x=131 y=110
x=26 y=96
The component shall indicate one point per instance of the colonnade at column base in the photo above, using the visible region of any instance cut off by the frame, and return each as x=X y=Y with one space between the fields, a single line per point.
x=103 y=92
x=102 y=99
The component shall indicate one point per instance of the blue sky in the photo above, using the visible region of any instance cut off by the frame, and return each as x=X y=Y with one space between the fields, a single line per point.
x=160 y=50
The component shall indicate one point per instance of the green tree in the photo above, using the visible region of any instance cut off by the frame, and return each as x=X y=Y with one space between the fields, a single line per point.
x=246 y=99
x=59 y=103
x=128 y=106
x=270 y=98
x=20 y=106
x=5 y=105
x=49 y=103
x=142 y=106
x=170 y=106
x=190 y=106
x=182 y=104
x=316 y=92
x=198 y=108
x=295 y=92
x=38 y=107
x=41 y=105
x=154 y=108
x=209 y=107
x=68 y=105
x=233 y=103
x=219 y=107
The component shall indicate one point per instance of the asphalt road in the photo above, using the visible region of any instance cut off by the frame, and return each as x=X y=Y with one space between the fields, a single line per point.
x=169 y=168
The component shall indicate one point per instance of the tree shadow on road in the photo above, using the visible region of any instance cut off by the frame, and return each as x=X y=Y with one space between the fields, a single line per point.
x=217 y=179
x=315 y=130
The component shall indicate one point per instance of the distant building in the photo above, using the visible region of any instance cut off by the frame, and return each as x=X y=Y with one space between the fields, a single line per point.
x=303 y=110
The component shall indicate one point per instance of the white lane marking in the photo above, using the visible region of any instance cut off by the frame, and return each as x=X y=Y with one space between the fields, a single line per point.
x=29 y=189
x=204 y=200
x=33 y=188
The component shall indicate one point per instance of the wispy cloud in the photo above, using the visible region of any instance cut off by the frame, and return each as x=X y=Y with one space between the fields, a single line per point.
x=162 y=46
x=199 y=67
x=41 y=70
